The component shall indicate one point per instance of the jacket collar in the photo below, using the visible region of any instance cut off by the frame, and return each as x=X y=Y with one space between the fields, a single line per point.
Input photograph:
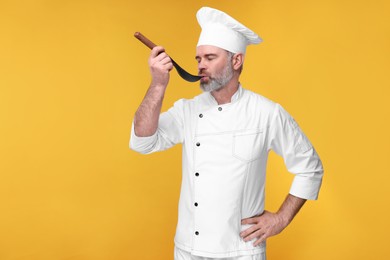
x=210 y=100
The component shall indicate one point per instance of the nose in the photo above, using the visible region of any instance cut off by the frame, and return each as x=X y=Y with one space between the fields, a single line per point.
x=201 y=66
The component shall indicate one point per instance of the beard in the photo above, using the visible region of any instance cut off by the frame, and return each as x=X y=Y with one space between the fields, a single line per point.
x=220 y=79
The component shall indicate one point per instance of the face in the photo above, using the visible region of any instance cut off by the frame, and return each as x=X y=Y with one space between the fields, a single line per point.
x=214 y=64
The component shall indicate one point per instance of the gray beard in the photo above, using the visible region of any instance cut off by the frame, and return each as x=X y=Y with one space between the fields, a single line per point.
x=220 y=80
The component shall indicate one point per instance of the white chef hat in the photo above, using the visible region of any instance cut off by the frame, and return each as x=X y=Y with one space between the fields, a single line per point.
x=223 y=31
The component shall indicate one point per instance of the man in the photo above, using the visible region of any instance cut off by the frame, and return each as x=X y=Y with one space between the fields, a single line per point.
x=226 y=133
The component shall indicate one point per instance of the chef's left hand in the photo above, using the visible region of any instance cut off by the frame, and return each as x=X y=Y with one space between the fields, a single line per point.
x=264 y=226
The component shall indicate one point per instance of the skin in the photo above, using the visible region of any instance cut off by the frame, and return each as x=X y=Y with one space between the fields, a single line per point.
x=147 y=115
x=270 y=224
x=211 y=61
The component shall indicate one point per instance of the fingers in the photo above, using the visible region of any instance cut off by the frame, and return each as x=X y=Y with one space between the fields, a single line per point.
x=249 y=231
x=164 y=59
x=258 y=230
x=158 y=54
x=156 y=51
x=261 y=239
x=159 y=59
x=254 y=221
x=160 y=65
x=264 y=226
x=253 y=232
x=249 y=221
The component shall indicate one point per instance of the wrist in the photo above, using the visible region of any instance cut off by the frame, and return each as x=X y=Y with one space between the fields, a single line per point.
x=158 y=85
x=159 y=82
x=283 y=218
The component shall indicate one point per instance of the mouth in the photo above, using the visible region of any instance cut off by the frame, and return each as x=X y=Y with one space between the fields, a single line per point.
x=204 y=78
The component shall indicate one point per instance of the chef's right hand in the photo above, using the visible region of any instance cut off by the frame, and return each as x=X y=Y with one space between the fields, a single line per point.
x=160 y=65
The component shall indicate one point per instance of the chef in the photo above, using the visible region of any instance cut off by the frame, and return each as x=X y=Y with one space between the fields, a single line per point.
x=226 y=134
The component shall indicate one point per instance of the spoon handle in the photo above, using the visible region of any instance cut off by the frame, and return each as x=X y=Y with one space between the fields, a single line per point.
x=144 y=40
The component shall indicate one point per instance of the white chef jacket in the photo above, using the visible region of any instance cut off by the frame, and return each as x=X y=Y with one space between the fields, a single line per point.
x=225 y=150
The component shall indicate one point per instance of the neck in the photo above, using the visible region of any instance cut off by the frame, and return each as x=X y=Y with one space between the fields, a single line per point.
x=224 y=94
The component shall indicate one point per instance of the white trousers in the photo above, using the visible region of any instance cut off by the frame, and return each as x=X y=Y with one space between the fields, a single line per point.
x=184 y=255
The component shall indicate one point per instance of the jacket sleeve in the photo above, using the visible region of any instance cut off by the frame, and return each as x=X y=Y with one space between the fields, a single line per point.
x=300 y=157
x=169 y=132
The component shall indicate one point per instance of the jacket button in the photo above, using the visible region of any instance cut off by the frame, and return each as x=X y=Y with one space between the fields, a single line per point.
x=196 y=233
x=197 y=174
x=196 y=204
x=200 y=115
x=197 y=144
x=220 y=109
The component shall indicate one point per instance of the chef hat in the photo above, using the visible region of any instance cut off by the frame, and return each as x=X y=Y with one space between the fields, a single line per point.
x=223 y=31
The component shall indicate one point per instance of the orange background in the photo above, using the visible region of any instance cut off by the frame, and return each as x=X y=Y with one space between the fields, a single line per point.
x=72 y=77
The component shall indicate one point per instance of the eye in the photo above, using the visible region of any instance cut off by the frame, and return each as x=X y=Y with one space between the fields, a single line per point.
x=211 y=57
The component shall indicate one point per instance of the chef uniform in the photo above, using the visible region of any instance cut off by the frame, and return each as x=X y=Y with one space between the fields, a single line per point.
x=224 y=151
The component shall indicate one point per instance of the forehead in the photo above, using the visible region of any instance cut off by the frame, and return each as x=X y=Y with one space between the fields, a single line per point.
x=203 y=50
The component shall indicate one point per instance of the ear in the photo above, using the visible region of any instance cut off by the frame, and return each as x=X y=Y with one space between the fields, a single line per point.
x=237 y=61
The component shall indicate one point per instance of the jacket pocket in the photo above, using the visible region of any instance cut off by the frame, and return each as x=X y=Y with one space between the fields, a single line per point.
x=248 y=144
